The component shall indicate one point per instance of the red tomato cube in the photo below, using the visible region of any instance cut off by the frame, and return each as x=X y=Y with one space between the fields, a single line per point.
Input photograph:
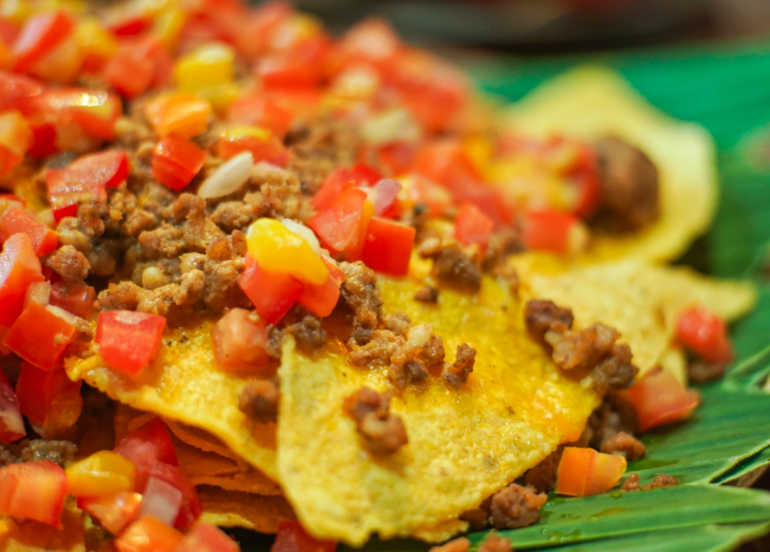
x=33 y=490
x=128 y=340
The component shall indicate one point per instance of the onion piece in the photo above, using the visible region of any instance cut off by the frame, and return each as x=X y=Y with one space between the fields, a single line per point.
x=161 y=501
x=303 y=232
x=229 y=177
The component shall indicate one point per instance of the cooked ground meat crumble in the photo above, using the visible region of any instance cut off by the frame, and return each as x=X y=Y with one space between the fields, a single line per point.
x=382 y=431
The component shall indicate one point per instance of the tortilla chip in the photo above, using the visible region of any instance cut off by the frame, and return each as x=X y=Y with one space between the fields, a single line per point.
x=640 y=300
x=184 y=384
x=591 y=101
x=464 y=444
x=234 y=509
x=200 y=439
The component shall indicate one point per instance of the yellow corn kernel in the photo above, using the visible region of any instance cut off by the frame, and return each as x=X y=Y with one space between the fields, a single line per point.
x=221 y=95
x=479 y=149
x=206 y=66
x=277 y=249
x=93 y=38
x=103 y=473
x=245 y=131
x=168 y=25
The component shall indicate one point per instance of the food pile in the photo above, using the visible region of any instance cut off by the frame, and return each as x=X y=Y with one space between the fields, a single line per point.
x=254 y=275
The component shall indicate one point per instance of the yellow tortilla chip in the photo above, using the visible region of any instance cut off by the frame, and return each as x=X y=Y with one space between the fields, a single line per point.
x=184 y=384
x=464 y=444
x=591 y=101
x=640 y=300
x=200 y=439
x=235 y=509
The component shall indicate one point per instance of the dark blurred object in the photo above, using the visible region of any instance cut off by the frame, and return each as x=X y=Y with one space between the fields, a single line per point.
x=553 y=24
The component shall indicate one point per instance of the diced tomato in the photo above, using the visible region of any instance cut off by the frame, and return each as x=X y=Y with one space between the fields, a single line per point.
x=240 y=340
x=75 y=298
x=104 y=473
x=62 y=63
x=19 y=267
x=547 y=230
x=341 y=225
x=49 y=399
x=584 y=471
x=9 y=30
x=146 y=446
x=262 y=112
x=388 y=246
x=40 y=35
x=176 y=161
x=585 y=176
x=39 y=336
x=179 y=113
x=659 y=399
x=130 y=71
x=129 y=340
x=161 y=500
x=87 y=178
x=321 y=299
x=11 y=423
x=204 y=537
x=302 y=66
x=129 y=23
x=272 y=294
x=148 y=535
x=113 y=512
x=427 y=193
x=190 y=509
x=33 y=490
x=15 y=220
x=63 y=212
x=371 y=41
x=472 y=226
x=43 y=139
x=93 y=111
x=269 y=149
x=291 y=537
x=15 y=139
x=18 y=92
x=386 y=198
x=704 y=333
x=342 y=179
x=397 y=157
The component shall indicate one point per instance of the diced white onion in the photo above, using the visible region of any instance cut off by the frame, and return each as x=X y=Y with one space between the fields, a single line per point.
x=264 y=171
x=303 y=232
x=390 y=126
x=161 y=501
x=229 y=177
x=39 y=292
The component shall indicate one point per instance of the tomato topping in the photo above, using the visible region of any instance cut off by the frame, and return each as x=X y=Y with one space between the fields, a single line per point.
x=40 y=35
x=585 y=177
x=175 y=161
x=583 y=471
x=322 y=298
x=43 y=140
x=240 y=341
x=388 y=246
x=386 y=198
x=161 y=500
x=190 y=509
x=262 y=112
x=104 y=473
x=204 y=537
x=398 y=157
x=548 y=230
x=15 y=220
x=148 y=535
x=146 y=446
x=472 y=226
x=260 y=142
x=342 y=179
x=39 y=336
x=113 y=512
x=19 y=267
x=49 y=399
x=704 y=333
x=301 y=66
x=659 y=399
x=33 y=490
x=272 y=293
x=86 y=178
x=75 y=298
x=185 y=115
x=11 y=423
x=129 y=340
x=93 y=111
x=130 y=71
x=341 y=225
x=15 y=139
x=291 y=537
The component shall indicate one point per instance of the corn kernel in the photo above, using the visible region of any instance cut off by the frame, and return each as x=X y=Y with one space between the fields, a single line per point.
x=168 y=25
x=94 y=39
x=103 y=473
x=277 y=249
x=206 y=66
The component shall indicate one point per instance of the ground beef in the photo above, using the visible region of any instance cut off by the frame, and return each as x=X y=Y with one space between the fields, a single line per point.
x=500 y=245
x=495 y=543
x=457 y=373
x=259 y=400
x=383 y=432
x=69 y=263
x=460 y=544
x=58 y=452
x=541 y=316
x=614 y=415
x=7 y=456
x=427 y=294
x=702 y=372
x=454 y=266
x=625 y=444
x=661 y=480
x=308 y=333
x=629 y=184
x=378 y=350
x=359 y=292
x=543 y=476
x=515 y=506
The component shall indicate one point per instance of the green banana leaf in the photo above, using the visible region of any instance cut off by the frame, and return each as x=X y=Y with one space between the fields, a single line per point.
x=729 y=438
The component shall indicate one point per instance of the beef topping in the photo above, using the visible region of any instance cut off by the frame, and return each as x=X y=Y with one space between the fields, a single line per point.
x=259 y=400
x=541 y=316
x=495 y=543
x=702 y=372
x=457 y=373
x=661 y=480
x=625 y=444
x=515 y=506
x=359 y=291
x=455 y=267
x=613 y=416
x=427 y=294
x=69 y=263
x=460 y=544
x=543 y=476
x=308 y=333
x=34 y=450
x=629 y=186
x=383 y=432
